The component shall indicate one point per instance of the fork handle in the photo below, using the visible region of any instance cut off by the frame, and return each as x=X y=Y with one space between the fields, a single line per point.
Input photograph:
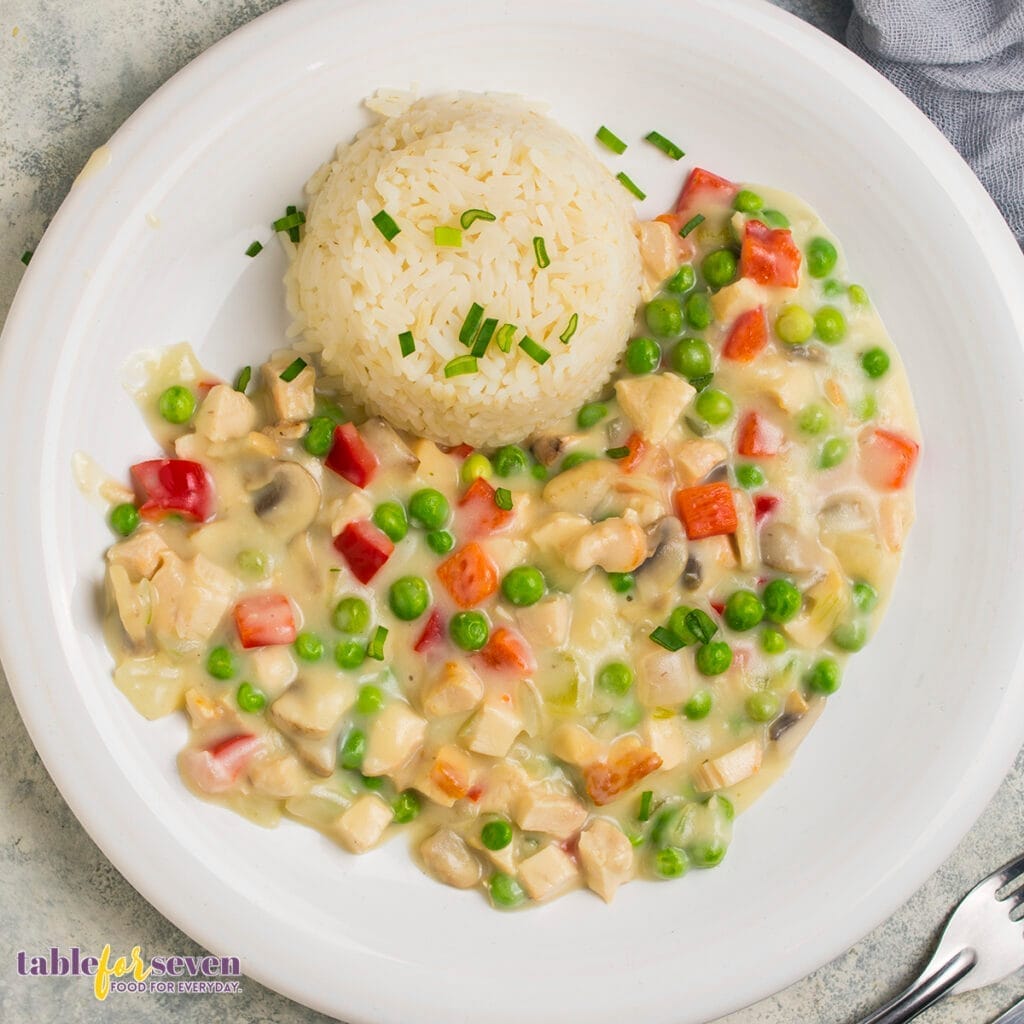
x=928 y=989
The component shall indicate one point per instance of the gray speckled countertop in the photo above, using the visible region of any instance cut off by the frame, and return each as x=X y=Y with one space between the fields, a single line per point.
x=70 y=73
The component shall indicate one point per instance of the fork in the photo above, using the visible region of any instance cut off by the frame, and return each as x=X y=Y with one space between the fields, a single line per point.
x=981 y=944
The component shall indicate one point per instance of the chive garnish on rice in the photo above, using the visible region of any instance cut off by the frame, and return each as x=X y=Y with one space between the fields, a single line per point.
x=448 y=237
x=459 y=365
x=386 y=225
x=471 y=216
x=483 y=339
x=630 y=186
x=406 y=343
x=471 y=324
x=540 y=250
x=570 y=329
x=538 y=353
x=504 y=337
x=611 y=140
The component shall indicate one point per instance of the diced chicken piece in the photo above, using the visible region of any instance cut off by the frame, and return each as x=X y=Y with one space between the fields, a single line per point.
x=654 y=403
x=224 y=414
x=493 y=729
x=278 y=432
x=667 y=738
x=292 y=400
x=625 y=766
x=542 y=808
x=140 y=554
x=727 y=769
x=362 y=826
x=436 y=469
x=255 y=444
x=555 y=533
x=192 y=598
x=665 y=678
x=191 y=446
x=347 y=510
x=573 y=744
x=640 y=494
x=455 y=687
x=736 y=298
x=825 y=605
x=386 y=443
x=500 y=787
x=745 y=537
x=546 y=623
x=273 y=669
x=447 y=857
x=155 y=685
x=785 y=547
x=659 y=250
x=695 y=459
x=606 y=856
x=895 y=517
x=313 y=706
x=203 y=711
x=860 y=553
x=507 y=552
x=504 y=859
x=547 y=872
x=790 y=382
x=616 y=545
x=396 y=735
x=447 y=777
x=280 y=777
x=320 y=756
x=133 y=602
x=582 y=489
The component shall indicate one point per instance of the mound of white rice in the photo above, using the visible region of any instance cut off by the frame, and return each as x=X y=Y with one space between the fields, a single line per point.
x=352 y=292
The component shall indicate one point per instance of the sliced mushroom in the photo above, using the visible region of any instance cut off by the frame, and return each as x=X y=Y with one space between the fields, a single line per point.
x=548 y=448
x=288 y=503
x=717 y=475
x=386 y=444
x=790 y=729
x=785 y=548
x=693 y=573
x=845 y=512
x=667 y=561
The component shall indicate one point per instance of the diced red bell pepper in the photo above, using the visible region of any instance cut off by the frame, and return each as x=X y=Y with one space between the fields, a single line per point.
x=432 y=635
x=351 y=457
x=887 y=458
x=748 y=336
x=469 y=575
x=460 y=451
x=364 y=548
x=764 y=505
x=769 y=255
x=216 y=769
x=174 y=486
x=706 y=510
x=704 y=187
x=758 y=437
x=478 y=515
x=718 y=607
x=508 y=651
x=265 y=620
x=637 y=450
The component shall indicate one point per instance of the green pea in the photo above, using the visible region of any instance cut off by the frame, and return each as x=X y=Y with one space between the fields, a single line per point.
x=496 y=835
x=591 y=413
x=829 y=325
x=762 y=707
x=775 y=219
x=747 y=201
x=538 y=472
x=875 y=362
x=691 y=358
x=621 y=582
x=794 y=325
x=372 y=781
x=319 y=437
x=772 y=641
x=698 y=311
x=708 y=855
x=250 y=699
x=671 y=862
x=469 y=630
x=858 y=296
x=574 y=459
x=389 y=518
x=682 y=280
x=642 y=356
x=833 y=451
x=440 y=541
x=370 y=699
x=719 y=268
x=349 y=654
x=813 y=419
x=713 y=406
x=220 y=663
x=714 y=658
x=821 y=257
x=867 y=408
x=429 y=508
x=506 y=892
x=832 y=289
x=351 y=615
x=177 y=404
x=125 y=519
x=782 y=601
x=664 y=317
x=523 y=586
x=865 y=597
x=475 y=466
x=725 y=806
x=309 y=647
x=629 y=715
x=698 y=706
x=510 y=460
x=353 y=750
x=749 y=477
x=409 y=597
x=405 y=807
x=743 y=610
x=253 y=563
x=615 y=678
x=850 y=636
x=824 y=677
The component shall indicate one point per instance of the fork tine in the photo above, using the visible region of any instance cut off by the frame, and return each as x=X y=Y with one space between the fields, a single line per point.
x=1010 y=871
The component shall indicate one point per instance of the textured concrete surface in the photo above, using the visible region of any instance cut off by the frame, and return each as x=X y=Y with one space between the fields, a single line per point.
x=70 y=72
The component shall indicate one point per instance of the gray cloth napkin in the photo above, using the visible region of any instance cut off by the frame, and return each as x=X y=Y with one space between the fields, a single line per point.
x=962 y=63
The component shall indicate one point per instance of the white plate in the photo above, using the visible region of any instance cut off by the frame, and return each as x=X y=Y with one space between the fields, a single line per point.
x=908 y=752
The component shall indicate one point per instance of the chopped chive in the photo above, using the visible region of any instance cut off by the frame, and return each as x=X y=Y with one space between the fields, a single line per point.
x=504 y=337
x=666 y=638
x=471 y=216
x=536 y=352
x=289 y=221
x=692 y=223
x=451 y=237
x=243 y=378
x=611 y=140
x=293 y=369
x=255 y=249
x=26 y=257
x=540 y=250
x=407 y=343
x=483 y=339
x=503 y=499
x=630 y=186
x=471 y=324
x=618 y=453
x=386 y=225
x=293 y=232
x=646 y=799
x=701 y=382
x=459 y=365
x=375 y=648
x=667 y=147
x=570 y=329
x=701 y=625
